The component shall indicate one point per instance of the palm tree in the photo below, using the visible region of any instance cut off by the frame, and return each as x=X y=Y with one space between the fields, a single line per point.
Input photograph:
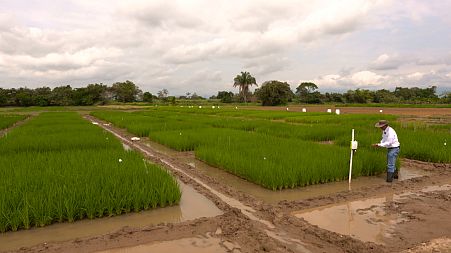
x=243 y=81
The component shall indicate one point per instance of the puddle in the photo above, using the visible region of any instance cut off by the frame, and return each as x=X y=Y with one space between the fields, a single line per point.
x=408 y=173
x=186 y=245
x=365 y=219
x=192 y=205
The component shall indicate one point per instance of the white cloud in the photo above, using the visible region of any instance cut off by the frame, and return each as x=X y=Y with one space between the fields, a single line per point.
x=387 y=62
x=200 y=43
x=329 y=81
x=415 y=76
x=367 y=78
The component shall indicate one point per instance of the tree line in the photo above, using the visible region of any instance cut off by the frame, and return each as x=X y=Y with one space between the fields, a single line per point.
x=277 y=93
x=269 y=93
x=92 y=94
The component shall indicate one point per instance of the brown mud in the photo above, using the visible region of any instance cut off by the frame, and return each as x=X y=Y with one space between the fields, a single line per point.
x=252 y=224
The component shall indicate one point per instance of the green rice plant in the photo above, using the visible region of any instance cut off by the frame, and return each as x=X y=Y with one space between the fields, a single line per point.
x=285 y=153
x=278 y=163
x=7 y=120
x=46 y=180
x=425 y=145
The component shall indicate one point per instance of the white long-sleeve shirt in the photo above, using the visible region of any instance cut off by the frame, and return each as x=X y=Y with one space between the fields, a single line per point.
x=389 y=138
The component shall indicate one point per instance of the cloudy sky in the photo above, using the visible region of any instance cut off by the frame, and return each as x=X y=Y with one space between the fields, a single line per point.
x=201 y=45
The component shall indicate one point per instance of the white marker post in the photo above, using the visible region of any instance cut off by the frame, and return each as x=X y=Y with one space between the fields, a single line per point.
x=353 y=149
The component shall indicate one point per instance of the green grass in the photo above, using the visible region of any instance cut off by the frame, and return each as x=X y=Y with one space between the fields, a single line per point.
x=59 y=167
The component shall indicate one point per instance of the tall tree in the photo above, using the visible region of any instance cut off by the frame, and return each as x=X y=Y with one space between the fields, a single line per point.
x=225 y=96
x=62 y=95
x=126 y=91
x=243 y=81
x=163 y=93
x=274 y=93
x=147 y=97
x=307 y=93
x=42 y=96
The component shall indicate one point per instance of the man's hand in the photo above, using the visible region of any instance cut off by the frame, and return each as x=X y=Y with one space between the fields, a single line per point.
x=375 y=145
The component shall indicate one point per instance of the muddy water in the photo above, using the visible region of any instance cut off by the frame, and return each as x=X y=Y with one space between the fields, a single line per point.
x=276 y=196
x=198 y=244
x=364 y=219
x=192 y=205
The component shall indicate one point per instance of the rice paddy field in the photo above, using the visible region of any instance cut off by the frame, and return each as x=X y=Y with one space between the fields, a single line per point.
x=277 y=149
x=59 y=167
x=7 y=120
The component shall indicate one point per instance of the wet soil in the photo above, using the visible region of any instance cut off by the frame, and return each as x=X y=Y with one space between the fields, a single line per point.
x=253 y=224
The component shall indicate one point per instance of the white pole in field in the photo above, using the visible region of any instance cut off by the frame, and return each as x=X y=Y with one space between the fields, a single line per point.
x=350 y=161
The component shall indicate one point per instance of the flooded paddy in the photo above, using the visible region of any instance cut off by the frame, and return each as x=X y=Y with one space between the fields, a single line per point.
x=390 y=225
x=366 y=219
x=273 y=197
x=192 y=205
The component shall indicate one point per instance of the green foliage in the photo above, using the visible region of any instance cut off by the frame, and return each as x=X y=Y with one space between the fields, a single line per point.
x=147 y=97
x=225 y=96
x=59 y=167
x=126 y=91
x=243 y=81
x=92 y=94
x=274 y=93
x=416 y=93
x=307 y=93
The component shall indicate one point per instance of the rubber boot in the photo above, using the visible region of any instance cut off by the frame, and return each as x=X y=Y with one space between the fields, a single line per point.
x=389 y=177
x=395 y=174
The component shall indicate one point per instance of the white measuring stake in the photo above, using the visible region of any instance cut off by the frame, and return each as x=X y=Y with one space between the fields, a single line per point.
x=350 y=161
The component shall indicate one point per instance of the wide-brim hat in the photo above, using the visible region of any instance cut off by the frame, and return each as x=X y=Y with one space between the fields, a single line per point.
x=381 y=123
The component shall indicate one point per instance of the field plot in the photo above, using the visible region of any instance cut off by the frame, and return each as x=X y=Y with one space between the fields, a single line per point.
x=280 y=149
x=59 y=167
x=8 y=120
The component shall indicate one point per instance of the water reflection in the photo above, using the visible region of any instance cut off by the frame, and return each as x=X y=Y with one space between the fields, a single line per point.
x=365 y=219
x=192 y=205
x=198 y=244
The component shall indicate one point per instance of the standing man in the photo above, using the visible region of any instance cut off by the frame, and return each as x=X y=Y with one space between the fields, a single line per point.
x=389 y=141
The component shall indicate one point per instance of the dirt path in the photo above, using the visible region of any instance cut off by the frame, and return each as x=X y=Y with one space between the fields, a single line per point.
x=250 y=225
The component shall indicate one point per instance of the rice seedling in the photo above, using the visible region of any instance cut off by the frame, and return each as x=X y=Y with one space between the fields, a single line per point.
x=7 y=120
x=284 y=153
x=51 y=174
